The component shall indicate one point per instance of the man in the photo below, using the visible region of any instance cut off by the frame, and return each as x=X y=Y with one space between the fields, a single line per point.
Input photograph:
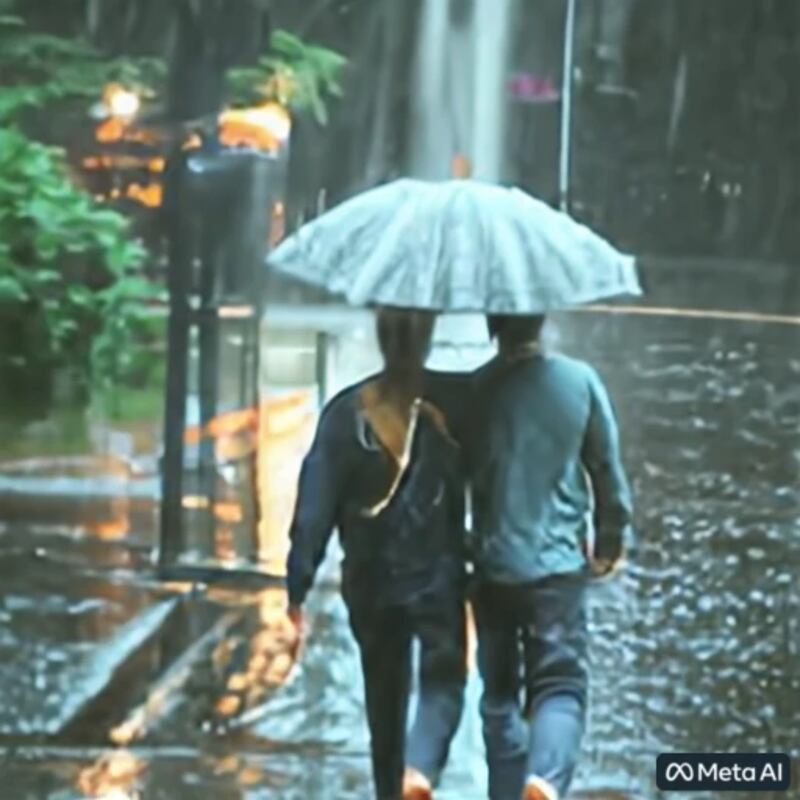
x=544 y=459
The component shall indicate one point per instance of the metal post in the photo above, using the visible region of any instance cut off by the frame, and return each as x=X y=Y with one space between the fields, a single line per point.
x=565 y=160
x=321 y=367
x=179 y=281
x=208 y=383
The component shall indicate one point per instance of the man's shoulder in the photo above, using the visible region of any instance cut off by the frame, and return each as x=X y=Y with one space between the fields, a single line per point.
x=570 y=365
x=577 y=375
x=557 y=364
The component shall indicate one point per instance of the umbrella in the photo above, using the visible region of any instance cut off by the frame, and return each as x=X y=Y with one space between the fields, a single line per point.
x=455 y=246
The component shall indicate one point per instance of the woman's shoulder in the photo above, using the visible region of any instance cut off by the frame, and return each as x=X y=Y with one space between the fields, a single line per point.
x=346 y=400
x=338 y=418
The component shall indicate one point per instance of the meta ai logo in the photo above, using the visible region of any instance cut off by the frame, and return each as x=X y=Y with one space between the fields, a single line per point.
x=753 y=772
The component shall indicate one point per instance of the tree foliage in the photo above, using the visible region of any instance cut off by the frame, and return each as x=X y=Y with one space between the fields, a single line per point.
x=66 y=264
x=70 y=274
x=72 y=291
x=294 y=73
x=39 y=68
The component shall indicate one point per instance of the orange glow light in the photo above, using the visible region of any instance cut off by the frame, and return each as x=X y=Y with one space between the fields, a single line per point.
x=195 y=502
x=192 y=143
x=233 y=422
x=264 y=127
x=119 y=101
x=228 y=512
x=112 y=130
x=461 y=167
x=151 y=195
x=110 y=530
x=107 y=161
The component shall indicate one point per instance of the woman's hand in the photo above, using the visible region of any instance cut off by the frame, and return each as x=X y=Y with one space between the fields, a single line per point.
x=298 y=619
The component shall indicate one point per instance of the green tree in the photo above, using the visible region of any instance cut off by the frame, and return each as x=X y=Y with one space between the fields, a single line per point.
x=294 y=73
x=70 y=275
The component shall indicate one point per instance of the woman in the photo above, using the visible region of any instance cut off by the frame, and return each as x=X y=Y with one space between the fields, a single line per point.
x=384 y=470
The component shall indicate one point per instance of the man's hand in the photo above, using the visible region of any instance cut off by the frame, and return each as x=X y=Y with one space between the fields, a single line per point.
x=606 y=567
x=603 y=566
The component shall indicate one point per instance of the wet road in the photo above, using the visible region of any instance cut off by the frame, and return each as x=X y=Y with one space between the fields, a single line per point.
x=696 y=648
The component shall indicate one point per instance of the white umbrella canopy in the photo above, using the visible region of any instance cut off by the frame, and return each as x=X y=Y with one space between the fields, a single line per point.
x=455 y=246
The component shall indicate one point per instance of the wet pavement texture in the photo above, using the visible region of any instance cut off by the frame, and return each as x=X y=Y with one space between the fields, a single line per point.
x=695 y=648
x=72 y=609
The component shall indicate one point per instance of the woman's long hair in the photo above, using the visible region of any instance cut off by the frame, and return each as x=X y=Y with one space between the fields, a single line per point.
x=404 y=338
x=392 y=403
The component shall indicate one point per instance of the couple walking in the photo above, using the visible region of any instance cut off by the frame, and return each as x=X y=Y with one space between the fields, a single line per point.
x=534 y=436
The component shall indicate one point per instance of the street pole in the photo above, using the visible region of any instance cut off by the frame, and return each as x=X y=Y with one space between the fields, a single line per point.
x=178 y=329
x=204 y=185
x=565 y=157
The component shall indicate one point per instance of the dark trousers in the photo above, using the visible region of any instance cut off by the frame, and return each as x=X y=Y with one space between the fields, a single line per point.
x=385 y=634
x=532 y=642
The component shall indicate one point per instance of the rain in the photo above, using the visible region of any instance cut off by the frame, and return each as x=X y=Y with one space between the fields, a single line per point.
x=191 y=255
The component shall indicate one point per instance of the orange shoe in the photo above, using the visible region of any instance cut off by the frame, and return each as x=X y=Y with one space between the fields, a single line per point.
x=416 y=786
x=538 y=789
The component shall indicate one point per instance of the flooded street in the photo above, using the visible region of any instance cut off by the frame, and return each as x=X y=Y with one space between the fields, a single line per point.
x=695 y=648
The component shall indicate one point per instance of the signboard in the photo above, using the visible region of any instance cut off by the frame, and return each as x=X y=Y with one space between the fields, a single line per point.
x=528 y=87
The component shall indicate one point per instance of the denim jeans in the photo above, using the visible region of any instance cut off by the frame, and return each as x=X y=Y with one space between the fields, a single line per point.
x=532 y=642
x=385 y=634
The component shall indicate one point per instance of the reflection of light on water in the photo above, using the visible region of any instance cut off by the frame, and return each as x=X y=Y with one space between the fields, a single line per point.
x=253 y=667
x=114 y=776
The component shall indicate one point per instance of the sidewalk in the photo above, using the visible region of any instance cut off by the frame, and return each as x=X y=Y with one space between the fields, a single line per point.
x=122 y=688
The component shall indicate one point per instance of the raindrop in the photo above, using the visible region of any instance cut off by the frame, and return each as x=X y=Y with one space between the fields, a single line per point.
x=706 y=603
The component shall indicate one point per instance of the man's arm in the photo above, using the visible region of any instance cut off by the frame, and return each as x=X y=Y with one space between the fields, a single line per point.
x=613 y=506
x=322 y=478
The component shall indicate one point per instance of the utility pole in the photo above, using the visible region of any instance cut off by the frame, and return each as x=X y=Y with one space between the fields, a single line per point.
x=565 y=155
x=216 y=216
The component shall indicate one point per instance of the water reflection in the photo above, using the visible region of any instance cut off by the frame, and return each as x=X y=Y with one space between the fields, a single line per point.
x=252 y=665
x=693 y=649
x=115 y=776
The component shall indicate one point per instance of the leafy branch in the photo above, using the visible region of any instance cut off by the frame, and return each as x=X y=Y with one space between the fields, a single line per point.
x=65 y=264
x=66 y=291
x=39 y=68
x=294 y=73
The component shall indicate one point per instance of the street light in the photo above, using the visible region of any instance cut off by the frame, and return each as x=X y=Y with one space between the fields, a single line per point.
x=118 y=102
